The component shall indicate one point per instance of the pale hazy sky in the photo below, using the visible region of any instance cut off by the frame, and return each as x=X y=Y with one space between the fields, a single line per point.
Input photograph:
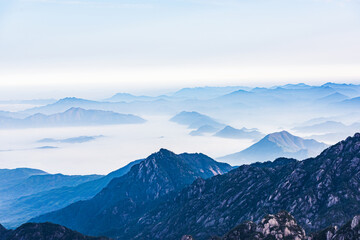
x=134 y=45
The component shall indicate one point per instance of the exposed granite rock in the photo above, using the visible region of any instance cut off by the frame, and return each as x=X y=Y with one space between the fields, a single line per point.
x=279 y=226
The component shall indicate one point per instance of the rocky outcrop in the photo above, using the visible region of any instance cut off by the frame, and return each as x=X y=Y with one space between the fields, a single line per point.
x=279 y=226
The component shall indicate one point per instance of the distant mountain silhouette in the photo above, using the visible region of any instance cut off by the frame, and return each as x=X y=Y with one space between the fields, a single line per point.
x=324 y=127
x=43 y=182
x=205 y=92
x=203 y=130
x=332 y=98
x=274 y=145
x=126 y=97
x=17 y=211
x=195 y=120
x=71 y=117
x=244 y=133
x=12 y=177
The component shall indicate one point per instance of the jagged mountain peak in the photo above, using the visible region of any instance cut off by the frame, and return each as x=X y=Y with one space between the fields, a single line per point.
x=279 y=135
x=162 y=152
x=350 y=145
x=127 y=197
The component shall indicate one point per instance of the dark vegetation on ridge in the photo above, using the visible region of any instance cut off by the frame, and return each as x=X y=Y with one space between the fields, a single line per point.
x=127 y=198
x=318 y=192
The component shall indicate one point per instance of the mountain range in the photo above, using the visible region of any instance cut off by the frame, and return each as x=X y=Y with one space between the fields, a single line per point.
x=243 y=133
x=21 y=206
x=275 y=145
x=281 y=104
x=279 y=226
x=319 y=192
x=195 y=120
x=71 y=117
x=127 y=198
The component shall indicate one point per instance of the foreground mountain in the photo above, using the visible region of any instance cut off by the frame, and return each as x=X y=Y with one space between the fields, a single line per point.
x=72 y=117
x=318 y=192
x=195 y=120
x=17 y=211
x=284 y=226
x=349 y=231
x=43 y=231
x=126 y=198
x=244 y=133
x=279 y=144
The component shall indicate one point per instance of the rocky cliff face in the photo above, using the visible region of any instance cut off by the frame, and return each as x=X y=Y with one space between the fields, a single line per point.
x=349 y=231
x=282 y=226
x=318 y=192
x=279 y=226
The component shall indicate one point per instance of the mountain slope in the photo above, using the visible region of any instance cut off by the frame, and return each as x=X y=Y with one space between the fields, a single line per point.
x=64 y=104
x=12 y=177
x=72 y=117
x=279 y=144
x=43 y=231
x=44 y=182
x=318 y=192
x=332 y=98
x=127 y=197
x=15 y=212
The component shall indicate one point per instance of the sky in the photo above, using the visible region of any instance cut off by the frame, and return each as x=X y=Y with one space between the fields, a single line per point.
x=93 y=48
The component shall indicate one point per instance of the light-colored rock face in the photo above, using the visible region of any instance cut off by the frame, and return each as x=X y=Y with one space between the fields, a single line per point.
x=280 y=226
x=187 y=237
x=355 y=222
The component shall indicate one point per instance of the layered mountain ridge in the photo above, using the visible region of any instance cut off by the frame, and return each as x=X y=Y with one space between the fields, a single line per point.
x=126 y=198
x=73 y=116
x=319 y=192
